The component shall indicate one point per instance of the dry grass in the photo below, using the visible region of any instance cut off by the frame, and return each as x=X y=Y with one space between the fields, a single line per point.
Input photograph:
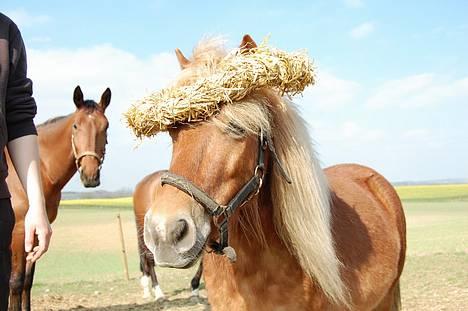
x=236 y=76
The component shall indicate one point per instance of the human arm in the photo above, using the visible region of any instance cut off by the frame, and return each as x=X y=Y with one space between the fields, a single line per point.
x=25 y=157
x=20 y=109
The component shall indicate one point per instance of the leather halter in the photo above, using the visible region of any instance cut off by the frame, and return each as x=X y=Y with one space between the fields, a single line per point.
x=79 y=156
x=224 y=212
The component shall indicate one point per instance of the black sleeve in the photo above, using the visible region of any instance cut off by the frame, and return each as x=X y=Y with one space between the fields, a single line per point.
x=20 y=107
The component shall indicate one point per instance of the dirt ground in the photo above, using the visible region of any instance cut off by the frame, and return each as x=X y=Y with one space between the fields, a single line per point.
x=421 y=289
x=118 y=296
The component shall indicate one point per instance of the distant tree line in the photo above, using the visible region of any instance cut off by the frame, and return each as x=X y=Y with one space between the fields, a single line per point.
x=97 y=194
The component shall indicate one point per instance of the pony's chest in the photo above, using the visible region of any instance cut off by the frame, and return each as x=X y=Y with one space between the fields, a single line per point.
x=260 y=287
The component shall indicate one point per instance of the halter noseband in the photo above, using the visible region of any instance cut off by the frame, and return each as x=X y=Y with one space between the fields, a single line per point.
x=79 y=156
x=216 y=210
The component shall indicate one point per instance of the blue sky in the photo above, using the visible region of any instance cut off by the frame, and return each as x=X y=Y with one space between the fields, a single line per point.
x=392 y=89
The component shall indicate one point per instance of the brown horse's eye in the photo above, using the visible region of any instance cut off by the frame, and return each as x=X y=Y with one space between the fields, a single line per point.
x=75 y=127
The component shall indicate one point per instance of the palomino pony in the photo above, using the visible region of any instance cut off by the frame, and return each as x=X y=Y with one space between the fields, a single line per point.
x=331 y=239
x=143 y=200
x=66 y=144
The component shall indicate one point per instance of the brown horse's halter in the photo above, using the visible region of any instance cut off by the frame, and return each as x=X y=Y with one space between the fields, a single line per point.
x=216 y=210
x=79 y=156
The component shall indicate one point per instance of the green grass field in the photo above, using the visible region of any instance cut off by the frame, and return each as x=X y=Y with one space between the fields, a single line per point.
x=83 y=268
x=435 y=193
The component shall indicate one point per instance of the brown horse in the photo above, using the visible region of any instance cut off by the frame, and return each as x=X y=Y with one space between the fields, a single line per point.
x=331 y=239
x=66 y=144
x=143 y=200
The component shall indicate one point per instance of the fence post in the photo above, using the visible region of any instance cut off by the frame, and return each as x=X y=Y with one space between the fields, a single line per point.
x=124 y=252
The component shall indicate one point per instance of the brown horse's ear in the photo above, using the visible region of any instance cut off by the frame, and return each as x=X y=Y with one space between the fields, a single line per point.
x=78 y=97
x=105 y=99
x=183 y=61
x=247 y=43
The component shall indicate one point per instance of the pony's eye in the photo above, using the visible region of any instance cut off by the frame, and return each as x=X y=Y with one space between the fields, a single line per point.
x=75 y=127
x=235 y=129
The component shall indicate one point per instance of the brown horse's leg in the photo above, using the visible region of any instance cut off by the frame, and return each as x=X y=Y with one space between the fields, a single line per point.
x=18 y=264
x=195 y=283
x=147 y=269
x=28 y=281
x=158 y=293
x=145 y=278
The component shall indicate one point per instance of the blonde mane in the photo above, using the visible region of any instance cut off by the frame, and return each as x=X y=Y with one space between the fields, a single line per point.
x=302 y=213
x=302 y=210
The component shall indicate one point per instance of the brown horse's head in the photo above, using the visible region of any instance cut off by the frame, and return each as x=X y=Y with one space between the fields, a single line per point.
x=89 y=136
x=217 y=156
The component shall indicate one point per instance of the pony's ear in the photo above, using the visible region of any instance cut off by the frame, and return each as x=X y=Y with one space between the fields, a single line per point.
x=105 y=99
x=247 y=43
x=183 y=61
x=78 y=97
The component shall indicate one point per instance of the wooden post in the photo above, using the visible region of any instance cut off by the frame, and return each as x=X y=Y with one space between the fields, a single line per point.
x=124 y=252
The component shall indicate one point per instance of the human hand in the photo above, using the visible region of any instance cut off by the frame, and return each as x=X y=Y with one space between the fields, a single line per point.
x=37 y=224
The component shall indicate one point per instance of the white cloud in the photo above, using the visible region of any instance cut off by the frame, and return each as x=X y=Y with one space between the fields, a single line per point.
x=354 y=3
x=349 y=133
x=416 y=134
x=351 y=141
x=363 y=30
x=56 y=73
x=24 y=19
x=419 y=91
x=331 y=92
x=350 y=130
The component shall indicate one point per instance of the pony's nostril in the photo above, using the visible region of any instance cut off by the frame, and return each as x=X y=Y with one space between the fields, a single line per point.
x=180 y=230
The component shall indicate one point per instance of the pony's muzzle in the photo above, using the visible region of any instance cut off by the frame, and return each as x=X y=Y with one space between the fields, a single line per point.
x=171 y=239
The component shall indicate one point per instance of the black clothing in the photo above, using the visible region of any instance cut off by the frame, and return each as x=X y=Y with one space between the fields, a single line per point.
x=7 y=221
x=17 y=106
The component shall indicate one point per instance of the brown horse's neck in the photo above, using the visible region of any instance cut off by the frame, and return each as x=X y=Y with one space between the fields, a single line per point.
x=57 y=159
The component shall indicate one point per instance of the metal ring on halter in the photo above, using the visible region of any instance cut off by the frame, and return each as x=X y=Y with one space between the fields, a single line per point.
x=260 y=184
x=261 y=169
